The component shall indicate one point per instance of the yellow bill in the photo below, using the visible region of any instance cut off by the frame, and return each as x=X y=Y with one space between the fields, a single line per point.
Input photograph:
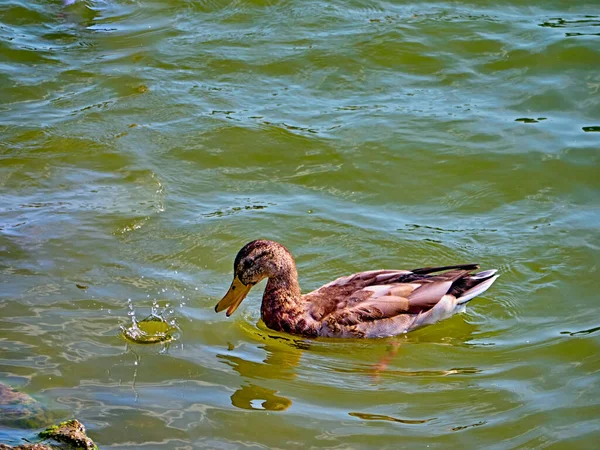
x=236 y=293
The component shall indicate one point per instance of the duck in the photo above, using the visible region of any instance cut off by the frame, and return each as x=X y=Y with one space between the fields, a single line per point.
x=371 y=304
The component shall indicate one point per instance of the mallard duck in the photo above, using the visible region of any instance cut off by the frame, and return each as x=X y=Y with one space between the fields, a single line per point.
x=376 y=303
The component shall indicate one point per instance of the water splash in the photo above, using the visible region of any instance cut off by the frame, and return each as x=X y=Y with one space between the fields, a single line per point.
x=158 y=328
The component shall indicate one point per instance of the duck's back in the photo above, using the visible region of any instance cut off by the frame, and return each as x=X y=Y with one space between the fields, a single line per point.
x=382 y=303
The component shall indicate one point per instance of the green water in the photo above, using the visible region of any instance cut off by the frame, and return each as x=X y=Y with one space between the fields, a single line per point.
x=144 y=142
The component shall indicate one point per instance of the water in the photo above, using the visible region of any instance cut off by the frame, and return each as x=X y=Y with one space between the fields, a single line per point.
x=144 y=142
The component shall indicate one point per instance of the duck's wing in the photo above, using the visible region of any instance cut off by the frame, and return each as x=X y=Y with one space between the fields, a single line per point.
x=381 y=294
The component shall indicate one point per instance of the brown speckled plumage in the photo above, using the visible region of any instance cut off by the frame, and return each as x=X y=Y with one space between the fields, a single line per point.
x=376 y=303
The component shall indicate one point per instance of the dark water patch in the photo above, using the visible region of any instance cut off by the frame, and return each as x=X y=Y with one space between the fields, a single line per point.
x=581 y=34
x=558 y=22
x=439 y=230
x=464 y=427
x=366 y=416
x=587 y=22
x=581 y=332
x=234 y=210
x=529 y=120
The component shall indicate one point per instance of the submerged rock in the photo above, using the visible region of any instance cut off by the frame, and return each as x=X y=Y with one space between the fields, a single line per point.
x=27 y=447
x=69 y=435
x=19 y=410
x=72 y=433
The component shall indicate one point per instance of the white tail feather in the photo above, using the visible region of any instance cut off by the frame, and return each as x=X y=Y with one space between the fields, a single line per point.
x=479 y=289
x=484 y=274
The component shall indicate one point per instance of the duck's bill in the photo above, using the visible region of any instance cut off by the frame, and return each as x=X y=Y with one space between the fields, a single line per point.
x=236 y=293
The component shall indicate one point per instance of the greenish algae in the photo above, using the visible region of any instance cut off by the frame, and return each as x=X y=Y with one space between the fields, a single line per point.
x=71 y=432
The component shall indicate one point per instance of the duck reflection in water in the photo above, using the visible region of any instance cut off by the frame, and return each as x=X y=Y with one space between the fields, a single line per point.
x=282 y=359
x=283 y=355
x=251 y=396
x=280 y=365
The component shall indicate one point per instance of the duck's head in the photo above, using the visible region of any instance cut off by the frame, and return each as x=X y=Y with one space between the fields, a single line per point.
x=256 y=261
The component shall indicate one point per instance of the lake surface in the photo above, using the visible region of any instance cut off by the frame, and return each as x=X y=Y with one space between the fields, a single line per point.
x=144 y=142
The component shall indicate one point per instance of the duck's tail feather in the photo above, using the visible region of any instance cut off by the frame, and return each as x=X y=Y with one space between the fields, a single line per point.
x=483 y=282
x=485 y=274
x=426 y=270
